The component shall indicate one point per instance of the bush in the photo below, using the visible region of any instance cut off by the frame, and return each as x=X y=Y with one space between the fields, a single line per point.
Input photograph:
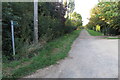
x=69 y=26
x=50 y=27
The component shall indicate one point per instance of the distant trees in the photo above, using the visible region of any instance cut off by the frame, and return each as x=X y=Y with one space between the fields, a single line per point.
x=106 y=15
x=77 y=19
x=74 y=22
x=73 y=19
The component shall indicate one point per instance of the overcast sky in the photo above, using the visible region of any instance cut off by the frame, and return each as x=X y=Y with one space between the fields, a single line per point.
x=83 y=7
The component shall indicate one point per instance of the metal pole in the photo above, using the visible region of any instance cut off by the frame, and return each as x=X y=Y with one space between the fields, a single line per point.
x=35 y=21
x=13 y=42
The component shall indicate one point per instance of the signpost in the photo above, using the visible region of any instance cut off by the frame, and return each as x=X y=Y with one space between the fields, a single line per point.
x=13 y=41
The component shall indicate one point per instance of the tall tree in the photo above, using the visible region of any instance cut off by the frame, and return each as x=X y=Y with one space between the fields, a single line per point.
x=77 y=18
x=71 y=7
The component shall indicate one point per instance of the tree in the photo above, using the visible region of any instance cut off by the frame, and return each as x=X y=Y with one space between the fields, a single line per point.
x=77 y=19
x=106 y=15
x=71 y=7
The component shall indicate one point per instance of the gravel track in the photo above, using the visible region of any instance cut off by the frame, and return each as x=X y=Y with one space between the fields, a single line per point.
x=89 y=57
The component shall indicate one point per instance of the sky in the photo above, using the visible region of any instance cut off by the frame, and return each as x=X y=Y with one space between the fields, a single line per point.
x=83 y=7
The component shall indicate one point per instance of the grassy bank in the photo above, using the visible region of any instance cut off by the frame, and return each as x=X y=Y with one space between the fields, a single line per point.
x=112 y=38
x=94 y=33
x=50 y=54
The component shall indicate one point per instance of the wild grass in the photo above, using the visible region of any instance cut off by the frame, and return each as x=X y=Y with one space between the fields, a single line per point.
x=94 y=33
x=112 y=38
x=48 y=55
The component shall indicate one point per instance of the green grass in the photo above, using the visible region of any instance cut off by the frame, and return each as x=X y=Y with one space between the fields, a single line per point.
x=94 y=33
x=112 y=38
x=48 y=55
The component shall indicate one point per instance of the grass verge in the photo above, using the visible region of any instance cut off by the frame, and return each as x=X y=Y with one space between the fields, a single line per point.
x=112 y=38
x=94 y=33
x=48 y=55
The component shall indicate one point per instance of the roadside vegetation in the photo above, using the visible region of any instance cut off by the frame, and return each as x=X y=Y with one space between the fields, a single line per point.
x=48 y=55
x=57 y=29
x=105 y=18
x=94 y=33
x=112 y=38
x=53 y=22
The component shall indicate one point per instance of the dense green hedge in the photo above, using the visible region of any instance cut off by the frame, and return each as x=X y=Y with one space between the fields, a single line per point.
x=51 y=25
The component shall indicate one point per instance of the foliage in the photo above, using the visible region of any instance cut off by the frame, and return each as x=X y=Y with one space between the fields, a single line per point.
x=97 y=28
x=51 y=25
x=77 y=19
x=52 y=45
x=74 y=22
x=94 y=33
x=106 y=15
x=70 y=5
x=69 y=26
x=23 y=15
x=49 y=54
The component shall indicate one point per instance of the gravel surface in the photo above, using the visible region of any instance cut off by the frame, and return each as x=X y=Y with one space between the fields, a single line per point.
x=89 y=57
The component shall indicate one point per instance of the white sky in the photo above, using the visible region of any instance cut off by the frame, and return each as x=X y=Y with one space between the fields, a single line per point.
x=83 y=7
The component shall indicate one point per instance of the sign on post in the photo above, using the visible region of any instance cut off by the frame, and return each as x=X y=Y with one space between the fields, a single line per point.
x=13 y=41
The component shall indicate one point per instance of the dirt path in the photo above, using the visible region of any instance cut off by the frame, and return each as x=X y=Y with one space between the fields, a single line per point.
x=89 y=57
